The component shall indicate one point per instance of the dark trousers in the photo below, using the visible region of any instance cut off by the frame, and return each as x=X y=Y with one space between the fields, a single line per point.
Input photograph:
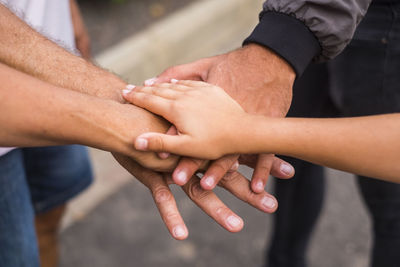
x=363 y=80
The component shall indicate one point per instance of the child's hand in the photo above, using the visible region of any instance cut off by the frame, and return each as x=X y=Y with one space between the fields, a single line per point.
x=206 y=117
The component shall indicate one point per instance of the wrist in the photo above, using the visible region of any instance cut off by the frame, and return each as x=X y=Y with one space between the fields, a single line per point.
x=269 y=61
x=125 y=123
x=103 y=84
x=240 y=134
x=260 y=134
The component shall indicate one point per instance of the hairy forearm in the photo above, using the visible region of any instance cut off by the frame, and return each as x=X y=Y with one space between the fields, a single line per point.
x=26 y=50
x=23 y=48
x=35 y=113
x=366 y=145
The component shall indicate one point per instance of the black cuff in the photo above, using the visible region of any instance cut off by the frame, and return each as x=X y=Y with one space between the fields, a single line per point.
x=288 y=37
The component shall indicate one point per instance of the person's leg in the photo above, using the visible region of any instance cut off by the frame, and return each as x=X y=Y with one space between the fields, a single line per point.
x=365 y=81
x=47 y=228
x=55 y=175
x=383 y=202
x=300 y=199
x=18 y=245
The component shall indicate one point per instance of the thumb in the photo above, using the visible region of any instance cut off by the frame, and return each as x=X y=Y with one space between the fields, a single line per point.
x=158 y=142
x=192 y=71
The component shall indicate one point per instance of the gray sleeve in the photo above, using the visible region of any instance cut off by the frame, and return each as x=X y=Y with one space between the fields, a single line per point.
x=333 y=22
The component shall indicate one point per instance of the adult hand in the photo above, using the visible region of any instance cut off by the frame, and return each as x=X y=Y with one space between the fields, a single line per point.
x=258 y=79
x=234 y=182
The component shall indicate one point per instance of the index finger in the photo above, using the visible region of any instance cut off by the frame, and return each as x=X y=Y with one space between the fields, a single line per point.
x=153 y=103
x=162 y=196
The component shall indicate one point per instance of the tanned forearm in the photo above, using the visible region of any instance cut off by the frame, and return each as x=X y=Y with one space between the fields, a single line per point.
x=35 y=113
x=26 y=50
x=367 y=145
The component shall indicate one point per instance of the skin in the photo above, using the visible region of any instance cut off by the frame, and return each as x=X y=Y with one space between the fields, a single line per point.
x=257 y=78
x=35 y=113
x=213 y=124
x=23 y=49
x=47 y=224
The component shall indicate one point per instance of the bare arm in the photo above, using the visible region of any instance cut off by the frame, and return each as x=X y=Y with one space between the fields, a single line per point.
x=35 y=113
x=367 y=146
x=213 y=125
x=26 y=50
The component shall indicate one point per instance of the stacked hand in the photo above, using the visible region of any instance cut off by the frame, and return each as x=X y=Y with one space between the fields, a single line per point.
x=259 y=80
x=264 y=88
x=89 y=98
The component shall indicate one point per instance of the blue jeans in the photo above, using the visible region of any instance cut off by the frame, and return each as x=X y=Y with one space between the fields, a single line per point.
x=35 y=180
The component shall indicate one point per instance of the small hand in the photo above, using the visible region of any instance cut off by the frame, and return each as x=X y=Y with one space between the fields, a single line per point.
x=187 y=167
x=200 y=104
x=206 y=117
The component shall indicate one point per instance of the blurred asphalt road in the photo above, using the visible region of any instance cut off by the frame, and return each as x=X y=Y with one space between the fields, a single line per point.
x=126 y=230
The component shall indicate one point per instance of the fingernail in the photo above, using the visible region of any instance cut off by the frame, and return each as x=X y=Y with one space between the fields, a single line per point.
x=235 y=167
x=268 y=202
x=164 y=155
x=179 y=231
x=260 y=186
x=141 y=144
x=130 y=86
x=181 y=176
x=233 y=221
x=126 y=91
x=209 y=181
x=150 y=82
x=174 y=81
x=287 y=169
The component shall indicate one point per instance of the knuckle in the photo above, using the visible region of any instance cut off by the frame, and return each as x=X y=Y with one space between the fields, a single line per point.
x=223 y=211
x=145 y=97
x=230 y=178
x=177 y=106
x=161 y=195
x=250 y=196
x=158 y=142
x=171 y=216
x=196 y=192
x=219 y=168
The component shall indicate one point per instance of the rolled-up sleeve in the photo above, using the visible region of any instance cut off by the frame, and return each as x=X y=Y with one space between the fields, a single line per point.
x=304 y=30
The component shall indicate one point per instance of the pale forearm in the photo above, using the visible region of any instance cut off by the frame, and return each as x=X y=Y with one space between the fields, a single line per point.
x=34 y=113
x=367 y=145
x=24 y=49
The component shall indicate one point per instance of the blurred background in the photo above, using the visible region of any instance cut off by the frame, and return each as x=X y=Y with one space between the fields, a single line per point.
x=115 y=222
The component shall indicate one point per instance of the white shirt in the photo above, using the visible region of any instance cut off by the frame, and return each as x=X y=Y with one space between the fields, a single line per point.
x=52 y=18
